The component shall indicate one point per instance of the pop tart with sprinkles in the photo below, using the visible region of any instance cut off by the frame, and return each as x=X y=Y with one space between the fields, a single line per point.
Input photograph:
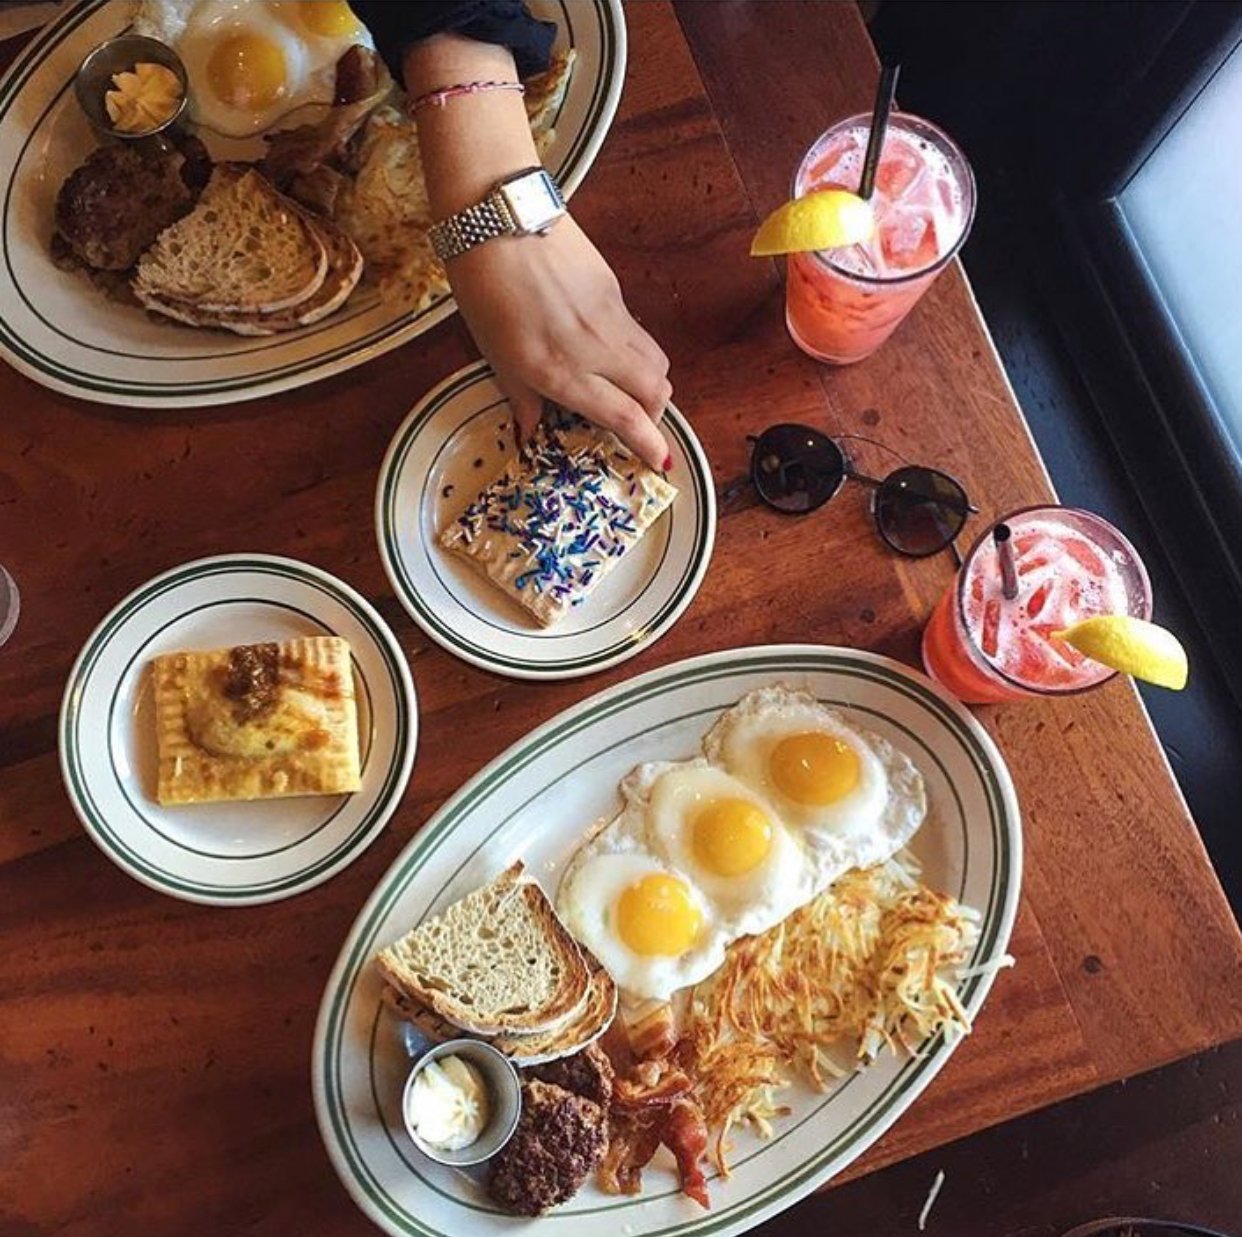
x=559 y=516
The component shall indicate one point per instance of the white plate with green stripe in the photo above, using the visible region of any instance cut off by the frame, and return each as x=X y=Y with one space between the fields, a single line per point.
x=537 y=802
x=56 y=328
x=231 y=854
x=447 y=449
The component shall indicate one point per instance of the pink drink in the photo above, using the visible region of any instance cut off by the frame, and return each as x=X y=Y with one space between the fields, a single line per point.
x=1071 y=565
x=842 y=304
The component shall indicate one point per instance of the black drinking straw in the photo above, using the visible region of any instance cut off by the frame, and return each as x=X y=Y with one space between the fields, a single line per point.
x=1004 y=554
x=879 y=123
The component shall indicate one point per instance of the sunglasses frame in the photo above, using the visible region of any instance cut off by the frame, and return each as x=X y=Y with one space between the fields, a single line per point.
x=875 y=484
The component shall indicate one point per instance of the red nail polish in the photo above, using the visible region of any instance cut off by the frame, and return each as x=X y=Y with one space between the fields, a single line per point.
x=668 y=463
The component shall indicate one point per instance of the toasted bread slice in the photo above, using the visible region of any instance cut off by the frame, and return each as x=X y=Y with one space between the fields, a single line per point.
x=344 y=271
x=592 y=1019
x=243 y=247
x=499 y=960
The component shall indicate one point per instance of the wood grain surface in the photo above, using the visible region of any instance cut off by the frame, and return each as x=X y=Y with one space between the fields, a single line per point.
x=154 y=1054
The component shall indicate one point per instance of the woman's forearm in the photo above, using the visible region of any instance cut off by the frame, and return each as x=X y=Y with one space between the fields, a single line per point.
x=473 y=140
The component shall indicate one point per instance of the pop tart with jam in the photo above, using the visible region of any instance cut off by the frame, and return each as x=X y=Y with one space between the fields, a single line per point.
x=559 y=516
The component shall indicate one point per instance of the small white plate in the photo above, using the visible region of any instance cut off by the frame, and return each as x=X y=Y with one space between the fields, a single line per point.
x=60 y=331
x=446 y=450
x=538 y=802
x=233 y=854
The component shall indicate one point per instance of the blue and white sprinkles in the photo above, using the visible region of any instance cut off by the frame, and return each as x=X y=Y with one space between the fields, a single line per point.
x=559 y=516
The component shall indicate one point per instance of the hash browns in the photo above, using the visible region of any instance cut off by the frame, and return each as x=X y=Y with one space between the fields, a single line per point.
x=865 y=965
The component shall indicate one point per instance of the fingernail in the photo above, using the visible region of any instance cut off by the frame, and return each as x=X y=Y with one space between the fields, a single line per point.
x=668 y=463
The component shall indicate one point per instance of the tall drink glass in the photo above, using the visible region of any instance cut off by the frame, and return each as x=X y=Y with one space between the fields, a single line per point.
x=842 y=304
x=1071 y=565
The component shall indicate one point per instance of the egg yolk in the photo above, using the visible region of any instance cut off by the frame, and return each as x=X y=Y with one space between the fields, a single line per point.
x=327 y=18
x=247 y=71
x=731 y=837
x=814 y=768
x=656 y=915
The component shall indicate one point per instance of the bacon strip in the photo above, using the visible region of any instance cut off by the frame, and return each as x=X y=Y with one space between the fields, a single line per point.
x=638 y=1092
x=653 y=1036
x=685 y=1135
x=633 y=1138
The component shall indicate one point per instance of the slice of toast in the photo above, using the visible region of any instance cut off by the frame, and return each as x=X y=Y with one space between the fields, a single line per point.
x=344 y=271
x=243 y=247
x=499 y=960
x=592 y=1019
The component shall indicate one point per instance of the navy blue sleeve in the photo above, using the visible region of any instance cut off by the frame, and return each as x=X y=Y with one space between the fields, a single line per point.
x=507 y=23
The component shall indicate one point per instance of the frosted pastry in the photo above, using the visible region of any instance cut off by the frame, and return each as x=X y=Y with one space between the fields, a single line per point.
x=559 y=516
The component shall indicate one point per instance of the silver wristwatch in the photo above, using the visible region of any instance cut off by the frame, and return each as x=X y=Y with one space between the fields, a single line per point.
x=524 y=204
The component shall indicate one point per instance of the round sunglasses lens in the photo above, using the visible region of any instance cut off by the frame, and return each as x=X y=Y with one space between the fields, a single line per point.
x=919 y=510
x=795 y=468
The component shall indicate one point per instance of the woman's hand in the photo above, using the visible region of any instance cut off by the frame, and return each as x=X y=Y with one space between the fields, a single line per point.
x=547 y=313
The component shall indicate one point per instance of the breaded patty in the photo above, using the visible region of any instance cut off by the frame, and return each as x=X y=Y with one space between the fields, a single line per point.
x=559 y=1140
x=587 y=1073
x=115 y=204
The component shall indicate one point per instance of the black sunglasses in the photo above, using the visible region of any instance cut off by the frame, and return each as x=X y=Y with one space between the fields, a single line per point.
x=918 y=511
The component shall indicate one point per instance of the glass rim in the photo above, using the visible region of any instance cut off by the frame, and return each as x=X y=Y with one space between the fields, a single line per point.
x=969 y=643
x=889 y=281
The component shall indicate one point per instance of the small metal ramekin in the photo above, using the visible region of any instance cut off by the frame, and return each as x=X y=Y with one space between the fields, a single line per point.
x=94 y=79
x=504 y=1091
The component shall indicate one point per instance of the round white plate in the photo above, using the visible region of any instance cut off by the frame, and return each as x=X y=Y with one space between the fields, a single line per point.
x=233 y=854
x=446 y=450
x=57 y=329
x=537 y=802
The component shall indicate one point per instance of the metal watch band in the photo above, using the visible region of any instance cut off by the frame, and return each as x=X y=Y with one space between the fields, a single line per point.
x=481 y=222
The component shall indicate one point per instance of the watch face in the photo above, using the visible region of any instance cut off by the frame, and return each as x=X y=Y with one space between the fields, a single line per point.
x=533 y=201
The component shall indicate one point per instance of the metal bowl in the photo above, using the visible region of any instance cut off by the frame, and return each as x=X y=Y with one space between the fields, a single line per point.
x=94 y=79
x=503 y=1090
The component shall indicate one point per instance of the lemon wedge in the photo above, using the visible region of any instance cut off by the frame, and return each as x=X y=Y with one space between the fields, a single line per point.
x=1131 y=645
x=825 y=219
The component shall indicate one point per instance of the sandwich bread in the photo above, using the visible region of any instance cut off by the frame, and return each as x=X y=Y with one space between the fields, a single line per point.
x=497 y=962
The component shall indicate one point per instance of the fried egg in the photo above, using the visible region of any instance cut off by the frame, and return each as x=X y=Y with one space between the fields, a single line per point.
x=725 y=838
x=849 y=795
x=788 y=797
x=648 y=925
x=250 y=63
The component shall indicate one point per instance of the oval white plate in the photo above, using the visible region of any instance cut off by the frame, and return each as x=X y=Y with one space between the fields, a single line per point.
x=234 y=854
x=446 y=450
x=537 y=802
x=59 y=331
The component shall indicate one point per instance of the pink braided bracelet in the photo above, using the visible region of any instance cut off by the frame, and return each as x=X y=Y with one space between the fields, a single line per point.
x=438 y=98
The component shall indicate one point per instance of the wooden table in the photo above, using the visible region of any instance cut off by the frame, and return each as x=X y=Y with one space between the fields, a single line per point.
x=153 y=1054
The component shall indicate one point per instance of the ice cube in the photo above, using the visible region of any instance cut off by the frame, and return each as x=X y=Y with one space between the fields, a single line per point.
x=839 y=165
x=900 y=168
x=908 y=239
x=857 y=258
